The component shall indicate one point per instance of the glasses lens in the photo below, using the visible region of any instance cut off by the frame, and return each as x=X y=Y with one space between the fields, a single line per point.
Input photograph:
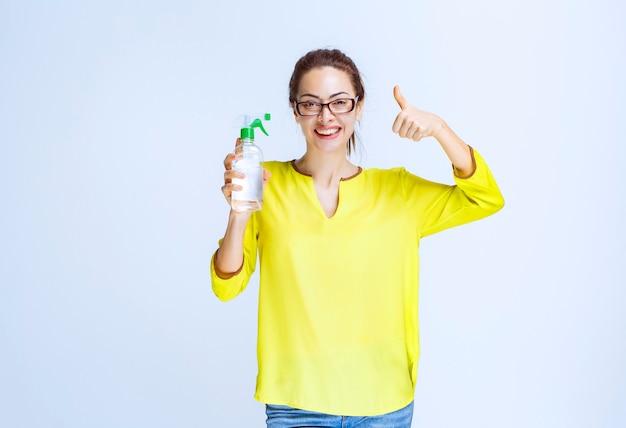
x=342 y=105
x=308 y=108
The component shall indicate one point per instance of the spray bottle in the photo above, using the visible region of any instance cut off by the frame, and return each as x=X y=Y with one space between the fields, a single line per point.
x=249 y=161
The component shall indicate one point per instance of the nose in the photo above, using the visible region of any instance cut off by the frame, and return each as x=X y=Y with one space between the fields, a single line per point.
x=325 y=114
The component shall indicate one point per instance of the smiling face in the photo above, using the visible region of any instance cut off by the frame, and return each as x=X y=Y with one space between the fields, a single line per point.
x=327 y=132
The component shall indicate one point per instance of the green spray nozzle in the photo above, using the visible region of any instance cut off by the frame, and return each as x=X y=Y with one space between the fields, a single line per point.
x=248 y=130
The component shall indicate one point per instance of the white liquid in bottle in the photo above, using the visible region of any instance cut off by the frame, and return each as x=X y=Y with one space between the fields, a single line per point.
x=250 y=198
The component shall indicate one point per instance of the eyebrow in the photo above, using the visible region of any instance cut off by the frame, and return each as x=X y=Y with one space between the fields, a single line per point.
x=315 y=96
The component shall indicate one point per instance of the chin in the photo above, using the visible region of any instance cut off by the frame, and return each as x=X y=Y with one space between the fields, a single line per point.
x=331 y=148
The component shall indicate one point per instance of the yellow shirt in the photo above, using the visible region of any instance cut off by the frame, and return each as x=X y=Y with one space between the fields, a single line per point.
x=338 y=297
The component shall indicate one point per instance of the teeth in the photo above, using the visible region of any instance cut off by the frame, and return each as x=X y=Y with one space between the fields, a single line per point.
x=328 y=131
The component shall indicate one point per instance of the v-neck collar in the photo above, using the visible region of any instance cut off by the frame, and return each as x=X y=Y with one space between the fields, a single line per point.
x=295 y=168
x=341 y=195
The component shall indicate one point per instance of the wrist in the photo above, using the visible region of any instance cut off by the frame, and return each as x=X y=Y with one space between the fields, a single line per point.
x=441 y=129
x=239 y=216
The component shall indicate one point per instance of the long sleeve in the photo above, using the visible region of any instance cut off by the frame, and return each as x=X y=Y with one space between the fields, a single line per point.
x=227 y=289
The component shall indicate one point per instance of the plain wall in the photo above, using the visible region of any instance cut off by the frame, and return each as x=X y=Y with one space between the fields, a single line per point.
x=115 y=118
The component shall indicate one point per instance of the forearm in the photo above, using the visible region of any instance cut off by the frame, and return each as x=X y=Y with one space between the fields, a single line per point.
x=457 y=151
x=229 y=257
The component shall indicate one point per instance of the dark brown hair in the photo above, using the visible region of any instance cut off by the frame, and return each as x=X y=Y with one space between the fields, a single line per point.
x=327 y=58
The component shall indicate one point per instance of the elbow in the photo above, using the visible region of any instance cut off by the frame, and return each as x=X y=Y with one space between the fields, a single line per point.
x=225 y=293
x=498 y=203
x=224 y=298
x=489 y=205
x=495 y=204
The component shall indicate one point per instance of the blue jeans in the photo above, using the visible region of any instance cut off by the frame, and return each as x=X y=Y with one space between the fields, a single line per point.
x=288 y=417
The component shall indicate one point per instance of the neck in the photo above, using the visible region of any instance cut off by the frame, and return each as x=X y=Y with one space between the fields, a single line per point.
x=326 y=168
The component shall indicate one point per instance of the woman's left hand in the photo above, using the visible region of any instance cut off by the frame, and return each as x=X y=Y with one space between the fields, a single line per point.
x=414 y=123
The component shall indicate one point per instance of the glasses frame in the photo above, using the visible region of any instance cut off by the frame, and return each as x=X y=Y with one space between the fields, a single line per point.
x=322 y=105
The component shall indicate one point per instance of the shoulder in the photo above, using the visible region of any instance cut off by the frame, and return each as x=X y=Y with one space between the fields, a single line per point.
x=379 y=174
x=275 y=166
x=395 y=179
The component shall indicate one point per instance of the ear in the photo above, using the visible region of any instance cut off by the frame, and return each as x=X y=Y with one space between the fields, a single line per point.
x=359 y=109
x=295 y=113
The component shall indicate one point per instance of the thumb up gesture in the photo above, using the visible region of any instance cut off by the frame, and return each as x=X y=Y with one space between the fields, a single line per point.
x=412 y=122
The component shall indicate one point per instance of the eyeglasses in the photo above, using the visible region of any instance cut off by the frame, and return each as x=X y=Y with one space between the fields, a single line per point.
x=338 y=106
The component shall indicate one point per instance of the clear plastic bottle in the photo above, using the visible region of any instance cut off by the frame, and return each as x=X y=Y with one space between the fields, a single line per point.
x=250 y=162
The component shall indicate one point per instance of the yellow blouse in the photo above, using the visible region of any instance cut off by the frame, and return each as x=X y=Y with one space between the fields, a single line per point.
x=338 y=297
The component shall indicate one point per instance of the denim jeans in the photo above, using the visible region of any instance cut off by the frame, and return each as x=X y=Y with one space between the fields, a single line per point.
x=289 y=417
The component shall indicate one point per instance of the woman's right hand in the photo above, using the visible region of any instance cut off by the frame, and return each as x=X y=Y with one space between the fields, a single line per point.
x=229 y=187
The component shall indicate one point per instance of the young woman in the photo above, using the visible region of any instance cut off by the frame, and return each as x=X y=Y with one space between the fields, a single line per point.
x=338 y=250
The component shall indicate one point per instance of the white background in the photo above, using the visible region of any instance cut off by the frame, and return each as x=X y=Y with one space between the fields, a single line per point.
x=115 y=118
